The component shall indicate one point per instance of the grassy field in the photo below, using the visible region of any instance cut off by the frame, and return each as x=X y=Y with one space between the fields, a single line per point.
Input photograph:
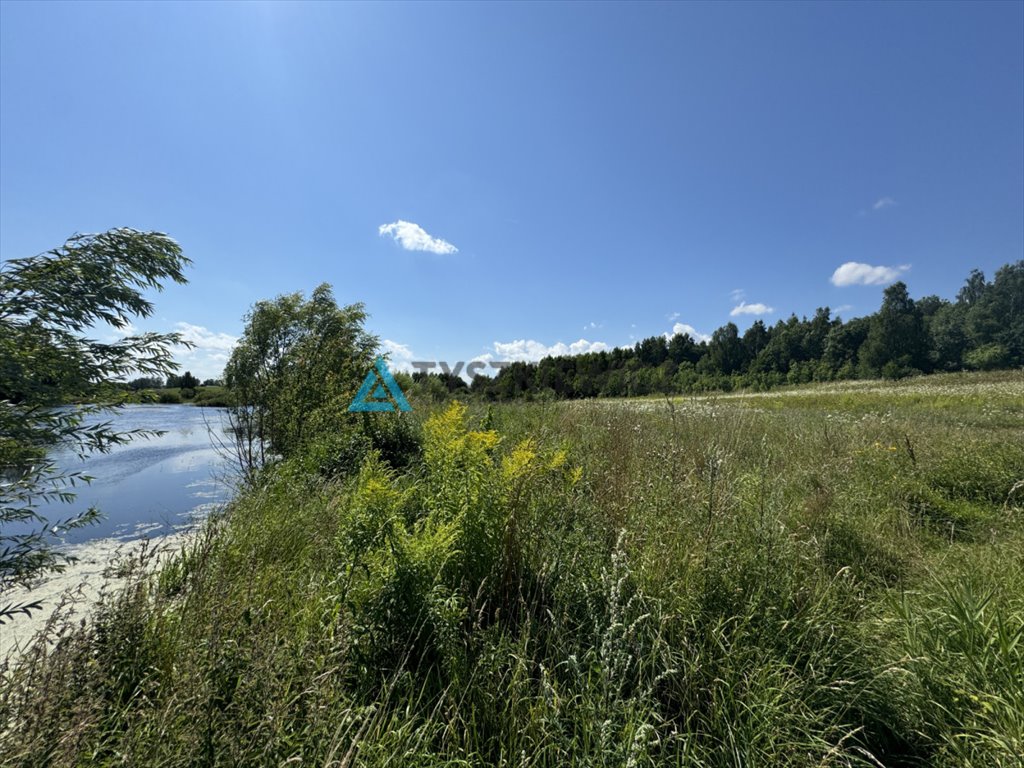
x=830 y=575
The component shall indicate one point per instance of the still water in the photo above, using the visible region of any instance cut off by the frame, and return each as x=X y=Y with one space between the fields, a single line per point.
x=154 y=486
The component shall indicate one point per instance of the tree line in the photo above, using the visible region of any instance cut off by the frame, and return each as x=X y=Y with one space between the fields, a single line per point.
x=184 y=381
x=982 y=329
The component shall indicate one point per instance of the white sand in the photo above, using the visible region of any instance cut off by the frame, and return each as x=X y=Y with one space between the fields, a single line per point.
x=79 y=585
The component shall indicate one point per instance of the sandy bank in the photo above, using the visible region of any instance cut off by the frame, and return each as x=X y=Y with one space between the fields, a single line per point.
x=79 y=585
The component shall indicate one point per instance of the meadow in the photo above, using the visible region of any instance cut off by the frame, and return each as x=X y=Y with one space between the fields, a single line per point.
x=829 y=575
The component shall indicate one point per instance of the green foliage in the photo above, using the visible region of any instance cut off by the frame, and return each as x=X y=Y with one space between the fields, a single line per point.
x=293 y=374
x=897 y=343
x=184 y=381
x=720 y=582
x=214 y=396
x=453 y=545
x=145 y=382
x=982 y=330
x=395 y=437
x=988 y=357
x=965 y=644
x=47 y=305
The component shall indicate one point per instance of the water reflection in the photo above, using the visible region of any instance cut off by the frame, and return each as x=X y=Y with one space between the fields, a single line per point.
x=150 y=486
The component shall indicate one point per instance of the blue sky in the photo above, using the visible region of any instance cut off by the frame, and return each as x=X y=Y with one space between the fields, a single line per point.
x=580 y=174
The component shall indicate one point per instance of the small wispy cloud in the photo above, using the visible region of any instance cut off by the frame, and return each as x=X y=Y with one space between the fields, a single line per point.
x=680 y=328
x=858 y=273
x=843 y=308
x=883 y=202
x=413 y=237
x=737 y=294
x=672 y=316
x=593 y=325
x=750 y=309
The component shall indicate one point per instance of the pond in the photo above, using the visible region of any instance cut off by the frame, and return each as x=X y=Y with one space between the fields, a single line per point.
x=154 y=486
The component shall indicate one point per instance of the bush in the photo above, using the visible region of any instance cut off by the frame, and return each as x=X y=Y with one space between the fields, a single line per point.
x=459 y=543
x=987 y=358
x=214 y=396
x=898 y=369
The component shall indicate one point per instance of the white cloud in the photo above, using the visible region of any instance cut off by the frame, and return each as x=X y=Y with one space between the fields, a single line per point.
x=750 y=309
x=400 y=356
x=696 y=335
x=856 y=273
x=592 y=325
x=843 y=308
x=673 y=316
x=209 y=353
x=413 y=237
x=883 y=202
x=737 y=294
x=204 y=339
x=528 y=350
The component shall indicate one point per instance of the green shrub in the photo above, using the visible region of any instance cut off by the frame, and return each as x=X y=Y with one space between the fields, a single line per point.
x=455 y=544
x=988 y=357
x=397 y=437
x=213 y=397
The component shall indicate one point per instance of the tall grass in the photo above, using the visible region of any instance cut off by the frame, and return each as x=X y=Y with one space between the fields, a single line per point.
x=694 y=582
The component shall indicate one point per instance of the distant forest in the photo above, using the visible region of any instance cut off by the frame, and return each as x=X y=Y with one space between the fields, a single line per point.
x=982 y=329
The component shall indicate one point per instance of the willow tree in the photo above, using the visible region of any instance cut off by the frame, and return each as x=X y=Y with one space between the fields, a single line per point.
x=49 y=304
x=293 y=374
